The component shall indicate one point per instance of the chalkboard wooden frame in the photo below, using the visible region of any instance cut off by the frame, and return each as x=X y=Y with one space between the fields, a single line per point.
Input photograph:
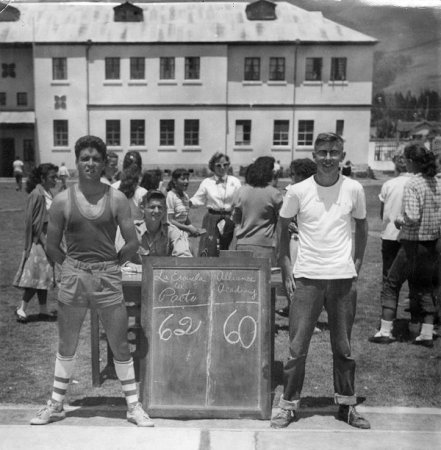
x=251 y=395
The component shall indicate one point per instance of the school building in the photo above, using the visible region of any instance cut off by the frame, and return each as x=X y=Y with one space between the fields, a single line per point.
x=179 y=81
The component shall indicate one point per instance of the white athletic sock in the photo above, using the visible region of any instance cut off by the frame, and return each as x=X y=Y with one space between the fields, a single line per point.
x=125 y=371
x=63 y=371
x=386 y=328
x=426 y=331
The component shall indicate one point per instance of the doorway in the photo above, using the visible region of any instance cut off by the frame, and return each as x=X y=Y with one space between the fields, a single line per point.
x=7 y=155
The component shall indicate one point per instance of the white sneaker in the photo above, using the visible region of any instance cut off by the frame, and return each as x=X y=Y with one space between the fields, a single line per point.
x=52 y=412
x=139 y=417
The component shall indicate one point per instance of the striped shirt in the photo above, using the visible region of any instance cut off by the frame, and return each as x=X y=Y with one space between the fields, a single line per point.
x=421 y=209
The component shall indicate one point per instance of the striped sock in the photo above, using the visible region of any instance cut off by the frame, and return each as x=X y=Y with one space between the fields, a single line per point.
x=63 y=372
x=125 y=371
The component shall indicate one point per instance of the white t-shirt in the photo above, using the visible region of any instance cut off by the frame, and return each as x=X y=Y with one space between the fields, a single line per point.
x=324 y=221
x=391 y=195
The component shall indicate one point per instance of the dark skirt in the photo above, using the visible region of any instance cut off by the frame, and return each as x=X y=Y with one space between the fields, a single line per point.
x=208 y=244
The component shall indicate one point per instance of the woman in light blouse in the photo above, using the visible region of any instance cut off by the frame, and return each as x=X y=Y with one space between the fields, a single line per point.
x=216 y=193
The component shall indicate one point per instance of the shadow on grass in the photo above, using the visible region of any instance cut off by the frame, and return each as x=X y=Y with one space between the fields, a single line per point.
x=91 y=407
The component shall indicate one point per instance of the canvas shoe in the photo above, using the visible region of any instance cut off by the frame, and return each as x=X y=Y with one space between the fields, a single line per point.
x=349 y=414
x=283 y=418
x=139 y=417
x=52 y=412
x=379 y=338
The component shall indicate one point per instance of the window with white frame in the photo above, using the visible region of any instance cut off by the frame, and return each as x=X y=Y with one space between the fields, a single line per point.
x=313 y=69
x=252 y=69
x=277 y=69
x=113 y=132
x=281 y=132
x=243 y=132
x=112 y=68
x=167 y=68
x=137 y=68
x=137 y=132
x=191 y=132
x=338 y=69
x=166 y=132
x=192 y=68
x=61 y=133
x=339 y=127
x=22 y=99
x=59 y=68
x=305 y=133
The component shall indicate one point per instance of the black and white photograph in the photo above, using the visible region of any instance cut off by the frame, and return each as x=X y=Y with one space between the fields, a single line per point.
x=220 y=224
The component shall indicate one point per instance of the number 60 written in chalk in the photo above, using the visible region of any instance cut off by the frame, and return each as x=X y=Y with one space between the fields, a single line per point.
x=236 y=336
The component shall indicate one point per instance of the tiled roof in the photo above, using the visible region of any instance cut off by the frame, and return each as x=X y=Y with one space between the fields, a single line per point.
x=222 y=22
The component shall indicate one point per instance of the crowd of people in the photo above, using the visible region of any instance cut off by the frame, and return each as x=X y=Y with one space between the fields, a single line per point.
x=109 y=219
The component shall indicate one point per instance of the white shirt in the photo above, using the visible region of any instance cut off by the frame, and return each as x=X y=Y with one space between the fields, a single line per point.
x=214 y=195
x=391 y=195
x=63 y=172
x=324 y=221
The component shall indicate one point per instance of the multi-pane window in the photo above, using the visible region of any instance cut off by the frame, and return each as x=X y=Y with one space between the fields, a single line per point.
x=313 y=70
x=338 y=69
x=243 y=132
x=252 y=69
x=339 y=127
x=137 y=132
x=191 y=132
x=59 y=68
x=167 y=132
x=305 y=133
x=167 y=68
x=192 y=68
x=28 y=150
x=112 y=69
x=137 y=68
x=277 y=69
x=61 y=133
x=281 y=132
x=2 y=98
x=22 y=98
x=113 y=132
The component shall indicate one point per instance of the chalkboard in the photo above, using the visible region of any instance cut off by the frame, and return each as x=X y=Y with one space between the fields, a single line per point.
x=207 y=326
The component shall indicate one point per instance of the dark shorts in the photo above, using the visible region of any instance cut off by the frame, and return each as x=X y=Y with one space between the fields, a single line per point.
x=91 y=285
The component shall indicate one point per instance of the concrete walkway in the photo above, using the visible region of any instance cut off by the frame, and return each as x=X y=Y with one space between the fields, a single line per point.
x=100 y=428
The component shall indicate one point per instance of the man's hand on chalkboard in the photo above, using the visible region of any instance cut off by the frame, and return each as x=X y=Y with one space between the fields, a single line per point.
x=198 y=232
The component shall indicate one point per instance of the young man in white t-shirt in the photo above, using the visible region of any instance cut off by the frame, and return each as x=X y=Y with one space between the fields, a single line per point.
x=324 y=274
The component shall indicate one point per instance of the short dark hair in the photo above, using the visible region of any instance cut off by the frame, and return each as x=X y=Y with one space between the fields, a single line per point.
x=215 y=158
x=176 y=174
x=303 y=167
x=422 y=157
x=93 y=142
x=112 y=154
x=152 y=195
x=261 y=172
x=37 y=174
x=328 y=137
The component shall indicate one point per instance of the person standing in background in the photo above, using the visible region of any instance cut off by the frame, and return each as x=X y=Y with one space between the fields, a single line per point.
x=17 y=168
x=63 y=175
x=36 y=273
x=111 y=174
x=216 y=193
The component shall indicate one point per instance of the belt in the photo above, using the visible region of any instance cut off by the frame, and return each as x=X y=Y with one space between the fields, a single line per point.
x=218 y=213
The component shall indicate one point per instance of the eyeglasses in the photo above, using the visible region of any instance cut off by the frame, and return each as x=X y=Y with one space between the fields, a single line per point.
x=331 y=153
x=221 y=166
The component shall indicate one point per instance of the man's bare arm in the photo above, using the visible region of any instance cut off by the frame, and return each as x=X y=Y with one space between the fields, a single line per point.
x=55 y=228
x=285 y=257
x=126 y=226
x=360 y=241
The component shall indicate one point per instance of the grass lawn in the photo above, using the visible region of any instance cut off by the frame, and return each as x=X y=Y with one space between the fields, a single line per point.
x=398 y=374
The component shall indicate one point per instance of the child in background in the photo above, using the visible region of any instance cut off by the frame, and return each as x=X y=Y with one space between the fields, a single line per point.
x=178 y=204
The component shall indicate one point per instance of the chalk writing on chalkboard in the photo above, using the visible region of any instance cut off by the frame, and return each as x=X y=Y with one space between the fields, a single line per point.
x=208 y=335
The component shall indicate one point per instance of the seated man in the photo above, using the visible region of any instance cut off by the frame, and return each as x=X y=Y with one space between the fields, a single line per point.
x=157 y=237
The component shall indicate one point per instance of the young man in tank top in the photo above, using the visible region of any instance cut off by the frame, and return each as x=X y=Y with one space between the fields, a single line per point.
x=88 y=214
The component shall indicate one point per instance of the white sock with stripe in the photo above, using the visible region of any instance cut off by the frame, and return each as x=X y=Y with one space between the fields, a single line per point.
x=125 y=371
x=63 y=371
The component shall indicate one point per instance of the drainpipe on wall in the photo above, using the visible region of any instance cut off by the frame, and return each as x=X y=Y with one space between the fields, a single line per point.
x=294 y=98
x=227 y=131
x=88 y=45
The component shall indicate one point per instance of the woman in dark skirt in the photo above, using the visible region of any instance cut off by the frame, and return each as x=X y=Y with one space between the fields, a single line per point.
x=216 y=193
x=36 y=274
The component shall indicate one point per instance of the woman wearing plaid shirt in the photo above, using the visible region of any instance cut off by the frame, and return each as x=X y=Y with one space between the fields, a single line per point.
x=419 y=226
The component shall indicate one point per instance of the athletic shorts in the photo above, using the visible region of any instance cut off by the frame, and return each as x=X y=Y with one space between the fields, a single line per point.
x=91 y=285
